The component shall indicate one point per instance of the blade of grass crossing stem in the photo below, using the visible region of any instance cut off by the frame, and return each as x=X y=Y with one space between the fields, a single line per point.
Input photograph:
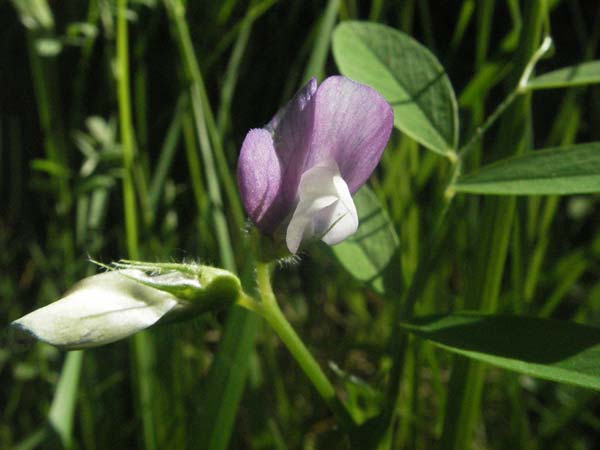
x=462 y=409
x=316 y=63
x=193 y=162
x=141 y=346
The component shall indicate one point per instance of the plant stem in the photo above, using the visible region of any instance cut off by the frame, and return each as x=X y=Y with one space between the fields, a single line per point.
x=142 y=348
x=270 y=311
x=125 y=123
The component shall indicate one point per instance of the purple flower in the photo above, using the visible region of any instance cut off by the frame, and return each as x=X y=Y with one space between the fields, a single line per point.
x=302 y=167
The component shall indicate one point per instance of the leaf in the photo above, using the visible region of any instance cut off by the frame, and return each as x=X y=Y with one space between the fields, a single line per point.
x=579 y=75
x=555 y=350
x=370 y=255
x=409 y=77
x=566 y=170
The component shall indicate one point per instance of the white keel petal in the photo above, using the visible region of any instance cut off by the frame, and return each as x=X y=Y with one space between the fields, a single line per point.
x=325 y=208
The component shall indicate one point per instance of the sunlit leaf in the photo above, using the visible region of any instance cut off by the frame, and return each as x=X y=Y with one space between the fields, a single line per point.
x=409 y=77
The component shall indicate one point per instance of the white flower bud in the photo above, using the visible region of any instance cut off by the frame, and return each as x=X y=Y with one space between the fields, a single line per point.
x=99 y=310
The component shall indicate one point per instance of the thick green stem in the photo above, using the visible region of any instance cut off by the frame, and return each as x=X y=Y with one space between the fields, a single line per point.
x=270 y=311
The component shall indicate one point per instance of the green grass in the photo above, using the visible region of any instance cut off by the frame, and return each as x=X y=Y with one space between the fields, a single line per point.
x=142 y=166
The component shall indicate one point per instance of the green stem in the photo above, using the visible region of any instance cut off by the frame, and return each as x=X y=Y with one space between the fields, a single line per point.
x=142 y=348
x=492 y=118
x=232 y=73
x=270 y=311
x=316 y=64
x=125 y=123
x=520 y=88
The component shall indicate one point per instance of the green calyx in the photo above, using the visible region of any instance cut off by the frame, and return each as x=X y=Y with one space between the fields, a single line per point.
x=200 y=288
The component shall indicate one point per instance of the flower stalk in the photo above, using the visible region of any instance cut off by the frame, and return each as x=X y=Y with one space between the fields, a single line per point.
x=268 y=308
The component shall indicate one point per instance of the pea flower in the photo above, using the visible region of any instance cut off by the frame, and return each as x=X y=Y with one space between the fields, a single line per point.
x=301 y=169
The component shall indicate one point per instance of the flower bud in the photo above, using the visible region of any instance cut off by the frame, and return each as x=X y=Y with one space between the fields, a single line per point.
x=110 y=306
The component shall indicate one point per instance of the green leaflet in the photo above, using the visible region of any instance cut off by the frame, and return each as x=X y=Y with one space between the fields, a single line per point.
x=579 y=75
x=409 y=77
x=370 y=255
x=566 y=170
x=555 y=350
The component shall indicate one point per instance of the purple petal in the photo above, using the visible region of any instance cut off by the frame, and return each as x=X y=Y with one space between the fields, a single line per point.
x=259 y=178
x=292 y=129
x=352 y=126
x=271 y=161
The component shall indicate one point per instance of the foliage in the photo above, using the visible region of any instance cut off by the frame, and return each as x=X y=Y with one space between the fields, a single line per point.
x=120 y=130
